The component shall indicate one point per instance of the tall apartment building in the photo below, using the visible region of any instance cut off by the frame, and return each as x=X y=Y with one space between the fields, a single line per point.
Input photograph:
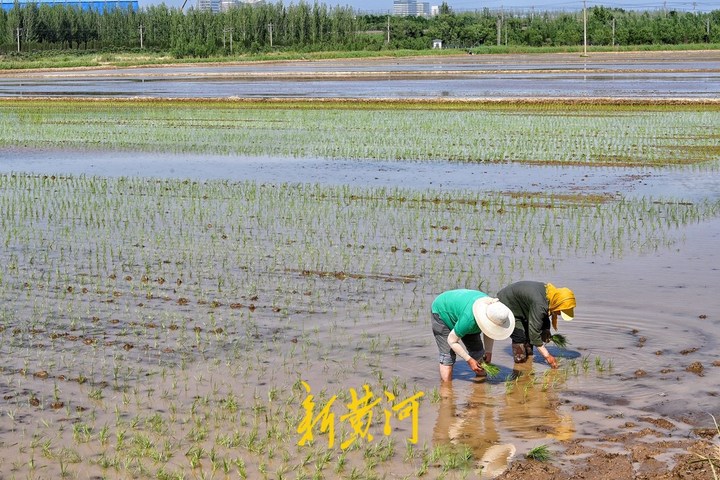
x=405 y=8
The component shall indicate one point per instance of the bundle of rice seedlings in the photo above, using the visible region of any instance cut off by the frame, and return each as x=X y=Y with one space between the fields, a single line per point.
x=560 y=340
x=490 y=369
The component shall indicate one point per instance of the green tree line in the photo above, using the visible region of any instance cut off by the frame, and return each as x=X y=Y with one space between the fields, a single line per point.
x=314 y=27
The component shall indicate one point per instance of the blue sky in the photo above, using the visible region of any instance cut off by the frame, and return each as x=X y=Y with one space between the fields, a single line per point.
x=383 y=6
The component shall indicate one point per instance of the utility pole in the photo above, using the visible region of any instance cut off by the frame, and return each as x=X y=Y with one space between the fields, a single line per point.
x=270 y=28
x=141 y=35
x=388 y=30
x=613 y=32
x=18 y=30
x=500 y=21
x=506 y=29
x=584 y=28
x=227 y=30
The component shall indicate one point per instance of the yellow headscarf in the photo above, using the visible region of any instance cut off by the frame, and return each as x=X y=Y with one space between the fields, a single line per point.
x=559 y=299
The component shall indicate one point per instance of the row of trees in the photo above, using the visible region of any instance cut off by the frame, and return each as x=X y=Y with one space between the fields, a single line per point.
x=305 y=27
x=195 y=32
x=605 y=26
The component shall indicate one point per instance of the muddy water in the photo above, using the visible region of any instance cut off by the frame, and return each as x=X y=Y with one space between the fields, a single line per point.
x=654 y=316
x=642 y=323
x=512 y=85
x=642 y=320
x=651 y=75
x=690 y=184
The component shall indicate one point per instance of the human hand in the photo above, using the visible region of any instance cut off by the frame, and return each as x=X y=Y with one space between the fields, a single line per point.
x=487 y=357
x=475 y=366
x=551 y=361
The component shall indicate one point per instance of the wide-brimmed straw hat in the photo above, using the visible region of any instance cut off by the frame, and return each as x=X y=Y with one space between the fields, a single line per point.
x=494 y=319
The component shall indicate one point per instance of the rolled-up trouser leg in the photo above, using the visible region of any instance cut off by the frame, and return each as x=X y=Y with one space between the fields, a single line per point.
x=521 y=348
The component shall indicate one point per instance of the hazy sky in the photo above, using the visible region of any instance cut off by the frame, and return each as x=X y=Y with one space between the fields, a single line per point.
x=383 y=6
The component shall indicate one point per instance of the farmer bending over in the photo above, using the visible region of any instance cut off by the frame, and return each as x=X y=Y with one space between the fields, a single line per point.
x=535 y=305
x=464 y=314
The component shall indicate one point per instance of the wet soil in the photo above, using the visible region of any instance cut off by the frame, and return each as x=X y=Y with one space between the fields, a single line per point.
x=633 y=458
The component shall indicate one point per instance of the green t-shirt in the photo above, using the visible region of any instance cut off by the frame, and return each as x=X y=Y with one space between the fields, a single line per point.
x=455 y=309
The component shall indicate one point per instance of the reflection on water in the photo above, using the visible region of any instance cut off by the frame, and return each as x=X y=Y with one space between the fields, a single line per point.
x=529 y=407
x=693 y=185
x=489 y=419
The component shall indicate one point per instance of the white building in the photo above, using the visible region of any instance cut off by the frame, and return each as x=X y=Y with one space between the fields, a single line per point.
x=212 y=5
x=409 y=8
x=224 y=5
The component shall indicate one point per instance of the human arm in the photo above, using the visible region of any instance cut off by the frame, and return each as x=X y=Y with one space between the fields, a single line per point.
x=488 y=345
x=548 y=358
x=459 y=349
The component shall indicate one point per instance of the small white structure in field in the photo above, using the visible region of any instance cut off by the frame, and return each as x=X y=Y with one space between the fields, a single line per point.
x=437 y=43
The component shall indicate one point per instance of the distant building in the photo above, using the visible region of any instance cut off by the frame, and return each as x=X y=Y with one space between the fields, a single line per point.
x=98 y=5
x=211 y=5
x=226 y=5
x=404 y=8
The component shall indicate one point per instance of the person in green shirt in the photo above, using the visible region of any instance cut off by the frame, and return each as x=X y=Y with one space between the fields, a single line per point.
x=535 y=305
x=463 y=315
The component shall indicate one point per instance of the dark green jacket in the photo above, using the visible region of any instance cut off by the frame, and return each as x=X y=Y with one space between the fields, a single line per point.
x=528 y=302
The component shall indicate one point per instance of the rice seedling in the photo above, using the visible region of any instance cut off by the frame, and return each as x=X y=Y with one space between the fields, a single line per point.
x=457 y=459
x=378 y=130
x=585 y=362
x=171 y=316
x=541 y=453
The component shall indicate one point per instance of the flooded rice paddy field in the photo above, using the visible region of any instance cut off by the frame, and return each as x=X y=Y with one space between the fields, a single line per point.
x=149 y=320
x=160 y=312
x=648 y=75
